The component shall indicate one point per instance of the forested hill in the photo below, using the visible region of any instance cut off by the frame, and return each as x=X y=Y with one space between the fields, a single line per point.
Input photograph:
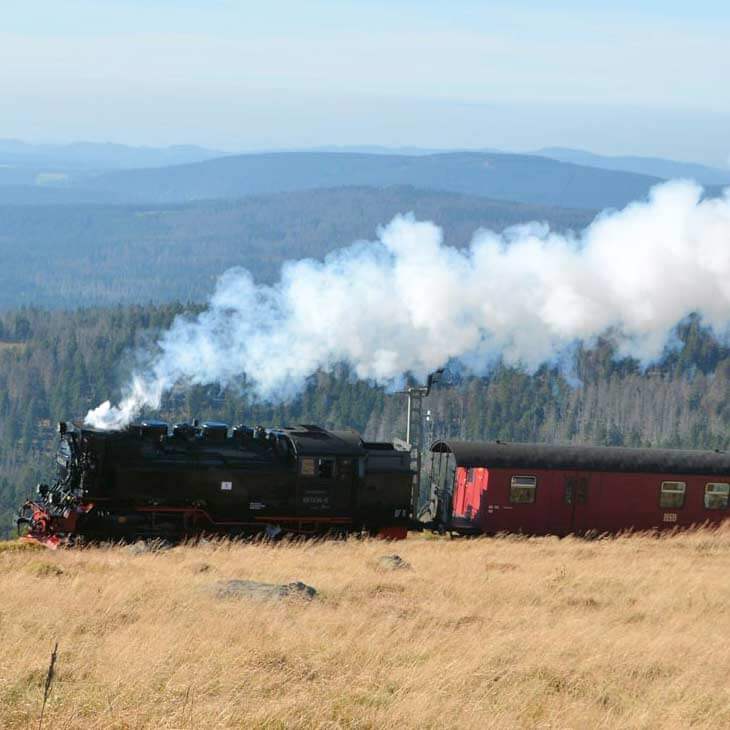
x=55 y=365
x=520 y=178
x=70 y=256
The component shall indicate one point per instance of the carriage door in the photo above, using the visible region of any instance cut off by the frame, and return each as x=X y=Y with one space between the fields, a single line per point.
x=469 y=486
x=576 y=494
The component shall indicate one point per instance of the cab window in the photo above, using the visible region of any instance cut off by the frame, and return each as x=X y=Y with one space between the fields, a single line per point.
x=326 y=468
x=322 y=467
x=672 y=494
x=716 y=495
x=522 y=489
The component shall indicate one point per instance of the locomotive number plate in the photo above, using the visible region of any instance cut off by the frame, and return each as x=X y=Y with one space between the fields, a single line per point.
x=670 y=517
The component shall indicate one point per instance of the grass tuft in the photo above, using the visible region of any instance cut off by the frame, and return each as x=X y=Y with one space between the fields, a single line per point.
x=15 y=546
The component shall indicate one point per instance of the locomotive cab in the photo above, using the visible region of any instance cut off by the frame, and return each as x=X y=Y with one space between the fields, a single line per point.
x=328 y=468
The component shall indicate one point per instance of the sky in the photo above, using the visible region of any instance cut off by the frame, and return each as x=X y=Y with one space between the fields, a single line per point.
x=642 y=77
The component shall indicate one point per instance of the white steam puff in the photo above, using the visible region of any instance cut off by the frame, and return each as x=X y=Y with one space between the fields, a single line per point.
x=408 y=303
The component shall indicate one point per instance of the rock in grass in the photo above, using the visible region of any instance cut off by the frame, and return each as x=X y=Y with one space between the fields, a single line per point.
x=263 y=591
x=147 y=546
x=42 y=569
x=393 y=562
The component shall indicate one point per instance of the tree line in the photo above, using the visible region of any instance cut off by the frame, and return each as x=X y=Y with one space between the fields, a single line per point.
x=55 y=365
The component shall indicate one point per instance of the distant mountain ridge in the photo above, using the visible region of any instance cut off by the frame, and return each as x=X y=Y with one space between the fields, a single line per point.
x=98 y=155
x=641 y=165
x=84 y=173
x=655 y=166
x=526 y=179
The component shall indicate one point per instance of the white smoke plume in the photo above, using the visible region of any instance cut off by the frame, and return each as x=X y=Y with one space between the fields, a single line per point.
x=408 y=303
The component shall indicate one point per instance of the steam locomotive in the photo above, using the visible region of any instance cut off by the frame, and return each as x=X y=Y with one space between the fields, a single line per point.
x=150 y=481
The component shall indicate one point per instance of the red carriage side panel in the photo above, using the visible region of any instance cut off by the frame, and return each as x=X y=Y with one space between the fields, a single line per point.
x=656 y=501
x=521 y=500
x=541 y=489
x=564 y=502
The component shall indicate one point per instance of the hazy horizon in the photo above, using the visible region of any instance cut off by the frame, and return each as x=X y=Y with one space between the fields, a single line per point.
x=355 y=146
x=637 y=78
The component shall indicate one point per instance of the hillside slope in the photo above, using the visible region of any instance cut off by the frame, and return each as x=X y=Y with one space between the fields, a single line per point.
x=61 y=256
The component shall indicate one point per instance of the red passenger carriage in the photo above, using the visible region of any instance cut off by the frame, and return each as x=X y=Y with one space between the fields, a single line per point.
x=542 y=489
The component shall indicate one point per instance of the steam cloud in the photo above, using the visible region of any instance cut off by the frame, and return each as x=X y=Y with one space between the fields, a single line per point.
x=408 y=303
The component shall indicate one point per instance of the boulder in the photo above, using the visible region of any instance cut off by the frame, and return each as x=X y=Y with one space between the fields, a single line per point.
x=263 y=591
x=393 y=562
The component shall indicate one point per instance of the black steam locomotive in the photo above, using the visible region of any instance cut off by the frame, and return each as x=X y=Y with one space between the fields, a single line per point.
x=150 y=481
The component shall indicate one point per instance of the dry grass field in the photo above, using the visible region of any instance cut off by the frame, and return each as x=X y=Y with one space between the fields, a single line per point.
x=507 y=632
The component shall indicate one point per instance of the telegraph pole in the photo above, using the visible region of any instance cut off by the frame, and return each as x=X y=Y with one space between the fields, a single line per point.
x=414 y=429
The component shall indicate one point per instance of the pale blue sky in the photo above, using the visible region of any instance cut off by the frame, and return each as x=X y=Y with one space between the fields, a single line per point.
x=643 y=77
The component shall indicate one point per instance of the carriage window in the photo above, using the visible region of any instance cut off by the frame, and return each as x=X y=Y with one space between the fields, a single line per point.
x=522 y=490
x=716 y=495
x=672 y=495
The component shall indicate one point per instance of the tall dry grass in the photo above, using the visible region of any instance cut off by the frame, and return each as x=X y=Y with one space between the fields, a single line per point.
x=626 y=632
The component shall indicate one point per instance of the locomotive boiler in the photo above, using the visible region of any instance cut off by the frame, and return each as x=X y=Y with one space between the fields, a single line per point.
x=153 y=481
